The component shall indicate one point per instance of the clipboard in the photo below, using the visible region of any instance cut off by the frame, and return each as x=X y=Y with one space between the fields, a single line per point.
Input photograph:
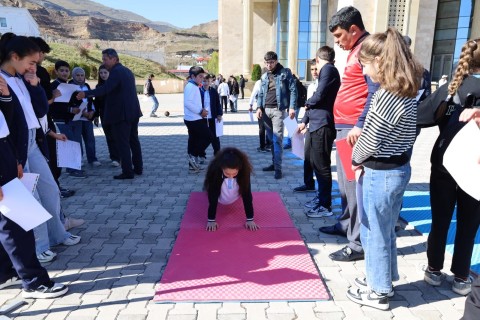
x=344 y=151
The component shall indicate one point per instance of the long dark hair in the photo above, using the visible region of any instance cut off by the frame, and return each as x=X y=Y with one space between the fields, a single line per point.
x=231 y=158
x=11 y=43
x=100 y=80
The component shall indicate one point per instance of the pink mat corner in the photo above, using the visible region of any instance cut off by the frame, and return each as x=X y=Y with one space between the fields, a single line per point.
x=268 y=207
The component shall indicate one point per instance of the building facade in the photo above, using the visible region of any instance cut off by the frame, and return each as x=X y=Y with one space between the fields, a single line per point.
x=295 y=29
x=18 y=21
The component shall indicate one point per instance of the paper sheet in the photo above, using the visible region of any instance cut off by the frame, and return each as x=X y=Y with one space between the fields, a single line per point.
x=79 y=115
x=30 y=181
x=21 y=207
x=462 y=159
x=66 y=89
x=233 y=98
x=291 y=125
x=69 y=154
x=419 y=94
x=219 y=128
x=250 y=114
x=345 y=153
x=298 y=145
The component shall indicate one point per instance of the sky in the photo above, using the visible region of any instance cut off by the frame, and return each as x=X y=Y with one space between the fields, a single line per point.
x=180 y=13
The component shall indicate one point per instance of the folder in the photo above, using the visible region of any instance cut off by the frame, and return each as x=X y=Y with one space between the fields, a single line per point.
x=345 y=154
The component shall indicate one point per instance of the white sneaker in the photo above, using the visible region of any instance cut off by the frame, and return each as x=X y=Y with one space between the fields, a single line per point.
x=312 y=203
x=71 y=240
x=96 y=163
x=72 y=223
x=44 y=292
x=46 y=256
x=10 y=282
x=369 y=298
x=115 y=163
x=361 y=283
x=319 y=212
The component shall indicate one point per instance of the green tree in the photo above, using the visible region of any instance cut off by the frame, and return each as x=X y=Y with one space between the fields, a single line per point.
x=256 y=72
x=212 y=64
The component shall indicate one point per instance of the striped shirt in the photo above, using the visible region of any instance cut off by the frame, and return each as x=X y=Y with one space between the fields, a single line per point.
x=388 y=133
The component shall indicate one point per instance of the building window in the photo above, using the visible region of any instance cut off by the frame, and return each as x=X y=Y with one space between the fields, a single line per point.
x=396 y=14
x=3 y=22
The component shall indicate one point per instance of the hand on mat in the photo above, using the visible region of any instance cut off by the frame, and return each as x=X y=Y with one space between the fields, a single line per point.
x=212 y=226
x=251 y=225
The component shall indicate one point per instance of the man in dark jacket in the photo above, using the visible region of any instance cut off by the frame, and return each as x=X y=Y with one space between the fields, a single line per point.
x=211 y=102
x=122 y=110
x=149 y=91
x=241 y=83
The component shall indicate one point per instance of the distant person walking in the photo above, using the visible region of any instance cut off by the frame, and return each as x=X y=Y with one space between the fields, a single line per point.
x=241 y=83
x=149 y=91
x=224 y=93
x=122 y=111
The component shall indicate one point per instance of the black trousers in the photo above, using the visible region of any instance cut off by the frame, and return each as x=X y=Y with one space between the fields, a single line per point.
x=321 y=143
x=242 y=92
x=224 y=102
x=125 y=136
x=307 y=163
x=52 y=163
x=112 y=148
x=17 y=247
x=199 y=137
x=444 y=194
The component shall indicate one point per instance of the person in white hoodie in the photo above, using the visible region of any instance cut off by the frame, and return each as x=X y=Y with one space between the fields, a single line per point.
x=195 y=118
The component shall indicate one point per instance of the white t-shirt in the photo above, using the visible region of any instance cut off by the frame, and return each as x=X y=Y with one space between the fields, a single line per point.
x=3 y=126
x=229 y=192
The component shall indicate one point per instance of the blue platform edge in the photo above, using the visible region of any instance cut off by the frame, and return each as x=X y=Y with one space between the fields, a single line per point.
x=417 y=212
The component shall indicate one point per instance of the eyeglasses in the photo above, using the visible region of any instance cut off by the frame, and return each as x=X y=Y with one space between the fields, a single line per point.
x=270 y=62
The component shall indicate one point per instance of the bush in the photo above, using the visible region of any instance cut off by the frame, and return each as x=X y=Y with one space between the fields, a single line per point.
x=256 y=72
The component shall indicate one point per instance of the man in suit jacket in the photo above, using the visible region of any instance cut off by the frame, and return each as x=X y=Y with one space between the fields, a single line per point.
x=122 y=111
x=215 y=111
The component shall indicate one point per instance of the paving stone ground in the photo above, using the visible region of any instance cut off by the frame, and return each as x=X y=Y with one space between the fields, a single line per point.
x=131 y=228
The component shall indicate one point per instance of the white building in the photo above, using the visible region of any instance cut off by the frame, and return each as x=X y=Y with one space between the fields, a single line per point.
x=18 y=21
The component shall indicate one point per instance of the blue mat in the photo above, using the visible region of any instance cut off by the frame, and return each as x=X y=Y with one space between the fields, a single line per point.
x=416 y=211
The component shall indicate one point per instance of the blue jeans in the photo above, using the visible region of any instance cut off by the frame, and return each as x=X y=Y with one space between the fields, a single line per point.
x=89 y=140
x=382 y=200
x=154 y=100
x=52 y=232
x=274 y=124
x=73 y=131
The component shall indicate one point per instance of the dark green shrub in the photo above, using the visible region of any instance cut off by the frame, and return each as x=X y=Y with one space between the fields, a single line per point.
x=256 y=72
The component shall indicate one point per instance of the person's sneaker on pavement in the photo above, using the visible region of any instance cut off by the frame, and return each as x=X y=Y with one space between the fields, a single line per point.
x=269 y=168
x=433 y=277
x=193 y=162
x=46 y=256
x=96 y=163
x=78 y=174
x=462 y=286
x=319 y=212
x=312 y=203
x=53 y=290
x=361 y=283
x=153 y=115
x=72 y=223
x=71 y=240
x=13 y=281
x=66 y=193
x=260 y=149
x=369 y=298
x=304 y=188
x=346 y=254
x=115 y=163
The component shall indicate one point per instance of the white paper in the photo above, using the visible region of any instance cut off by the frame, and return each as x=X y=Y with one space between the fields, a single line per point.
x=219 y=128
x=30 y=181
x=21 y=207
x=83 y=107
x=250 y=114
x=462 y=159
x=298 y=145
x=233 y=98
x=66 y=89
x=291 y=125
x=419 y=94
x=69 y=154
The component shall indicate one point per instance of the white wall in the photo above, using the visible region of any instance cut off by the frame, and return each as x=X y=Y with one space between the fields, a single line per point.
x=19 y=21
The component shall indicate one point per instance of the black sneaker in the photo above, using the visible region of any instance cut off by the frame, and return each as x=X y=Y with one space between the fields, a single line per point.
x=369 y=298
x=346 y=254
x=278 y=174
x=269 y=168
x=45 y=292
x=303 y=188
x=260 y=149
x=65 y=193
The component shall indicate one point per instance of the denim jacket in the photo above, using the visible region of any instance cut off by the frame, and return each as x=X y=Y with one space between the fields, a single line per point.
x=286 y=89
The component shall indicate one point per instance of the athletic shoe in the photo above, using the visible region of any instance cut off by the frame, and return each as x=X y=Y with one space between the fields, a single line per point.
x=312 y=203
x=201 y=160
x=433 y=278
x=115 y=163
x=153 y=115
x=71 y=240
x=462 y=287
x=346 y=254
x=319 y=212
x=65 y=193
x=369 y=298
x=13 y=281
x=46 y=256
x=45 y=292
x=72 y=223
x=193 y=162
x=278 y=174
x=304 y=188
x=259 y=149
x=269 y=168
x=361 y=283
x=96 y=163
x=78 y=174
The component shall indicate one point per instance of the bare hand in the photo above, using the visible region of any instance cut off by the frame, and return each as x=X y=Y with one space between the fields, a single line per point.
x=60 y=136
x=358 y=170
x=251 y=225
x=95 y=121
x=291 y=113
x=212 y=226
x=470 y=114
x=353 y=135
x=80 y=95
x=219 y=119
x=75 y=110
x=19 y=171
x=1 y=194
x=301 y=127
x=204 y=113
x=56 y=93
x=259 y=114
x=250 y=109
x=4 y=87
x=31 y=78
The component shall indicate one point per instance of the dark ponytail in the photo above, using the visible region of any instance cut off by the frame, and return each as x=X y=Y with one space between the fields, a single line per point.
x=21 y=45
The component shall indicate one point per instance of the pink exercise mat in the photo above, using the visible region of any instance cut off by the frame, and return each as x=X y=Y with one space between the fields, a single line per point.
x=234 y=264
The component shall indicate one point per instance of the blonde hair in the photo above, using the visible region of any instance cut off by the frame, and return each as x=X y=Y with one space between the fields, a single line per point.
x=398 y=70
x=469 y=60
